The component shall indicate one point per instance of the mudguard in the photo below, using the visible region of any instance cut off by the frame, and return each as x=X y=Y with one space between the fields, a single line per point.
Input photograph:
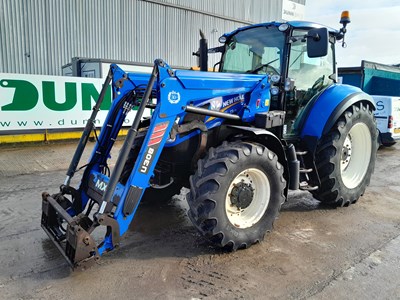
x=271 y=141
x=327 y=108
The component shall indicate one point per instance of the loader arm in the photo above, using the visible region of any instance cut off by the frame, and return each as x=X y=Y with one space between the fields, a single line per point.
x=114 y=204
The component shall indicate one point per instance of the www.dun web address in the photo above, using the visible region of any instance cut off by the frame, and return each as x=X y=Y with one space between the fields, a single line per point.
x=62 y=122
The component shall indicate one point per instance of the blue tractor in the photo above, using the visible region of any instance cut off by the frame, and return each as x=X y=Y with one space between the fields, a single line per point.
x=272 y=118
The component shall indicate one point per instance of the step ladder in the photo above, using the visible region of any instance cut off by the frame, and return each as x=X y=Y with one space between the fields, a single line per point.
x=304 y=178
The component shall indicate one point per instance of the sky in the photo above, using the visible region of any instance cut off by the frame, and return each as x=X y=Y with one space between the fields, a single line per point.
x=373 y=34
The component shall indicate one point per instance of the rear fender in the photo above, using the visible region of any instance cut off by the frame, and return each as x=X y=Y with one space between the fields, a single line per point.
x=326 y=110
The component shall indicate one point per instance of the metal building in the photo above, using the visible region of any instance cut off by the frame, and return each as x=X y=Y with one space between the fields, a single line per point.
x=39 y=36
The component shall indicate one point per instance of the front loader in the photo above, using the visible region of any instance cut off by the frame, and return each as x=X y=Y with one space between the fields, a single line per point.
x=271 y=119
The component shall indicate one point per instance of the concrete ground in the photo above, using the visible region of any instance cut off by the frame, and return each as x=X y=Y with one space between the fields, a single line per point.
x=313 y=252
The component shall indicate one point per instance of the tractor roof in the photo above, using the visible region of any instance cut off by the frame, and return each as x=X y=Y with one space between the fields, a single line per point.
x=310 y=25
x=294 y=24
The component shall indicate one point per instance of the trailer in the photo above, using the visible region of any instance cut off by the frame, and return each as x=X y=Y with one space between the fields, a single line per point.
x=383 y=82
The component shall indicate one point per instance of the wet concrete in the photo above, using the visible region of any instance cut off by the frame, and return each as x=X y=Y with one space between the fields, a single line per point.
x=313 y=252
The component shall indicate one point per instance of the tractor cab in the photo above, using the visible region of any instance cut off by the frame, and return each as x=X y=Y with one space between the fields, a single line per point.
x=298 y=56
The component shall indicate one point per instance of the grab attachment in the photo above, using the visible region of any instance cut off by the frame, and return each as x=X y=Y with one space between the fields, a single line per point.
x=75 y=242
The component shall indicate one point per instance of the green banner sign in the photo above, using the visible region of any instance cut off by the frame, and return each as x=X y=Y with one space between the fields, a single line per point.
x=50 y=102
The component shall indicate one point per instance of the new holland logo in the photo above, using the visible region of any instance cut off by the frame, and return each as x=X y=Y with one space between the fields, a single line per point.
x=174 y=97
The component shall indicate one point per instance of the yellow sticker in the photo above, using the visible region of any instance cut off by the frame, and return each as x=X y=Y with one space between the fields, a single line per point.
x=266 y=102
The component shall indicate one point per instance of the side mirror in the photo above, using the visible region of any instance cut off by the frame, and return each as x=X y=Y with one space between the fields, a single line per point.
x=317 y=42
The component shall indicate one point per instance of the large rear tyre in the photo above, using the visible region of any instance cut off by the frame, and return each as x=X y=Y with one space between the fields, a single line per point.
x=236 y=194
x=345 y=157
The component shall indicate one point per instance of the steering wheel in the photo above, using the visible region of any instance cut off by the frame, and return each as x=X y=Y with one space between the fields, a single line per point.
x=266 y=66
x=319 y=83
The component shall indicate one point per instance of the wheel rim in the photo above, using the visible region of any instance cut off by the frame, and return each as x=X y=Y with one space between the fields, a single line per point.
x=356 y=155
x=247 y=198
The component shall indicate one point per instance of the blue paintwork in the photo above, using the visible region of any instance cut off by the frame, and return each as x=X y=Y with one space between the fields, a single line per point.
x=215 y=80
x=103 y=178
x=107 y=244
x=191 y=89
x=104 y=145
x=240 y=94
x=259 y=101
x=323 y=108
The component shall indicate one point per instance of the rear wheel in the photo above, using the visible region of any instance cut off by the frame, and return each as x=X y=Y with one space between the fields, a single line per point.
x=236 y=194
x=345 y=157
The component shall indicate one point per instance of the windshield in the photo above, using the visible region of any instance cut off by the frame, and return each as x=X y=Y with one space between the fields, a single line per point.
x=256 y=50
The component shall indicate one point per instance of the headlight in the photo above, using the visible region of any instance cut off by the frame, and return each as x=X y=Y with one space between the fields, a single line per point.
x=289 y=84
x=274 y=91
x=275 y=78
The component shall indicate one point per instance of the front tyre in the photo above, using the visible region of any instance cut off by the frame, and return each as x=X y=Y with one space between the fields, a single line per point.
x=236 y=194
x=345 y=157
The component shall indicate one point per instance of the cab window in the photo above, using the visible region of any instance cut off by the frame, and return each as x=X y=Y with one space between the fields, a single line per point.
x=310 y=75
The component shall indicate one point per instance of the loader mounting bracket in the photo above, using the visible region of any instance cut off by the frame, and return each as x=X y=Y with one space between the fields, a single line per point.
x=75 y=242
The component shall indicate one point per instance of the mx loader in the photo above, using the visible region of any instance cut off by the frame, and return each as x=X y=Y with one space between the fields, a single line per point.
x=271 y=118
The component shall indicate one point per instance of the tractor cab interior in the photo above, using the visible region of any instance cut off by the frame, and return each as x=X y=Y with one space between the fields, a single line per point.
x=311 y=75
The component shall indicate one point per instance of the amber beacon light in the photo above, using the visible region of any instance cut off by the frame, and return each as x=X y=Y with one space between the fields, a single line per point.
x=345 y=18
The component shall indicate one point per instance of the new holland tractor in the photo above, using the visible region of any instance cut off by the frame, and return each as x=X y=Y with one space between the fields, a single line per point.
x=270 y=119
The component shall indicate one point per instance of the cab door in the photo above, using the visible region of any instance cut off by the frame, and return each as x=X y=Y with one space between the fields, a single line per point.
x=310 y=76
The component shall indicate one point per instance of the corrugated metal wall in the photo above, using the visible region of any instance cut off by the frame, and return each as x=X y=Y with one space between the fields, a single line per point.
x=40 y=36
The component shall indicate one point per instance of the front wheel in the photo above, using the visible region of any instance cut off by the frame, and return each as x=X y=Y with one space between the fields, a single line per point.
x=236 y=194
x=345 y=157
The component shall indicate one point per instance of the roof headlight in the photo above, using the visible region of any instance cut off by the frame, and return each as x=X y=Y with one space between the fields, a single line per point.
x=283 y=27
x=222 y=39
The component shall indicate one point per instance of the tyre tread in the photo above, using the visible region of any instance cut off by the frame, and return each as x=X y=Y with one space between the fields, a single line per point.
x=203 y=204
x=330 y=190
